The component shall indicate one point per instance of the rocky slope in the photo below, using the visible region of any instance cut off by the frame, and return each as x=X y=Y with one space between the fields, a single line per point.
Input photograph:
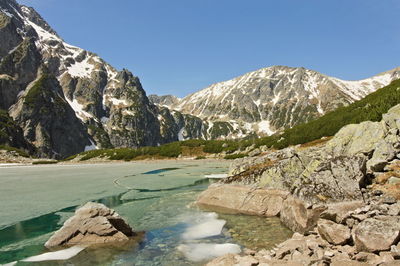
x=274 y=98
x=83 y=103
x=342 y=197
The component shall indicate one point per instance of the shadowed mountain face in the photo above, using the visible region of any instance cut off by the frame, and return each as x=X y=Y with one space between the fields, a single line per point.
x=64 y=100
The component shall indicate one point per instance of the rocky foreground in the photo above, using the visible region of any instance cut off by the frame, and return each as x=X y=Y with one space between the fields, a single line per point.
x=340 y=198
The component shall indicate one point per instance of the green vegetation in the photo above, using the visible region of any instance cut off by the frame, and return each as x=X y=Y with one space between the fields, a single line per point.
x=235 y=156
x=200 y=158
x=44 y=162
x=371 y=108
x=18 y=151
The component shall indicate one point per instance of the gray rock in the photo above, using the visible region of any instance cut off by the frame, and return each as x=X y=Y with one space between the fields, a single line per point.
x=337 y=212
x=242 y=199
x=383 y=153
x=366 y=257
x=297 y=217
x=93 y=223
x=393 y=180
x=255 y=152
x=392 y=117
x=357 y=139
x=332 y=232
x=394 y=209
x=377 y=234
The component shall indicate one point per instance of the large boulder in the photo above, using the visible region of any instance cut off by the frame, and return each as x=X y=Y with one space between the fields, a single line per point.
x=296 y=215
x=377 y=234
x=93 y=223
x=318 y=178
x=332 y=232
x=357 y=139
x=331 y=180
x=243 y=199
x=392 y=117
x=383 y=153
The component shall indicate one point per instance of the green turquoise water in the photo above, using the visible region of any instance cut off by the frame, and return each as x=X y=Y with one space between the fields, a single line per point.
x=154 y=197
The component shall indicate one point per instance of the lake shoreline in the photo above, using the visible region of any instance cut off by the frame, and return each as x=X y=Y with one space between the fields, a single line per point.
x=46 y=162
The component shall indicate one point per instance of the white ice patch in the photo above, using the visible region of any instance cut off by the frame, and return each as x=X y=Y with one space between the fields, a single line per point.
x=216 y=176
x=8 y=14
x=319 y=108
x=276 y=98
x=64 y=254
x=78 y=108
x=81 y=69
x=211 y=227
x=43 y=34
x=180 y=134
x=265 y=127
x=199 y=252
x=117 y=102
x=104 y=120
x=91 y=147
x=128 y=112
x=10 y=264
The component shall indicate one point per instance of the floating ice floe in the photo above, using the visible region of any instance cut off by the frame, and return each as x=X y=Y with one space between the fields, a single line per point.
x=216 y=176
x=203 y=251
x=64 y=254
x=207 y=225
x=210 y=227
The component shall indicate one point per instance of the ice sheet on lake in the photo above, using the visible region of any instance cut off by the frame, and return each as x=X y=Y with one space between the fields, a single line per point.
x=64 y=254
x=202 y=251
x=216 y=176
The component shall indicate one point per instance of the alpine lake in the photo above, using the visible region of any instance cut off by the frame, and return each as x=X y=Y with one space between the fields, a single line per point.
x=156 y=198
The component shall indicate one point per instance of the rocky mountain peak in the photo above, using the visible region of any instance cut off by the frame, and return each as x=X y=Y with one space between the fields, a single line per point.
x=35 y=17
x=277 y=97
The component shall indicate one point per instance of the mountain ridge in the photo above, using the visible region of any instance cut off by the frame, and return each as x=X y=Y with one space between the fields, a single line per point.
x=311 y=84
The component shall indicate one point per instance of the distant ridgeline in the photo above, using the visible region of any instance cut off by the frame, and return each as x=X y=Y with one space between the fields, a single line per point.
x=371 y=108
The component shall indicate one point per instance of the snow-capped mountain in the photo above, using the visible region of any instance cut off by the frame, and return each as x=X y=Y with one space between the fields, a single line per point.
x=62 y=100
x=67 y=100
x=277 y=97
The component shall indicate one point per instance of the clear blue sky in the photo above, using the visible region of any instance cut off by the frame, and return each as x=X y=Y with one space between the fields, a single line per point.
x=181 y=46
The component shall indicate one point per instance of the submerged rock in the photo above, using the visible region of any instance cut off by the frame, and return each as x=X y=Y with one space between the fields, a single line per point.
x=94 y=223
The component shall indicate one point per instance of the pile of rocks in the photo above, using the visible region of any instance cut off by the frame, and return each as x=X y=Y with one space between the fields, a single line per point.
x=341 y=198
x=350 y=233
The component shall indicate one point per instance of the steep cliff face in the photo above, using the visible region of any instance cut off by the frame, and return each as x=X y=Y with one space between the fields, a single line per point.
x=47 y=120
x=274 y=98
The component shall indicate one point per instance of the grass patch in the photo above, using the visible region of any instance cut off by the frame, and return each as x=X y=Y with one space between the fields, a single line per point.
x=235 y=156
x=44 y=162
